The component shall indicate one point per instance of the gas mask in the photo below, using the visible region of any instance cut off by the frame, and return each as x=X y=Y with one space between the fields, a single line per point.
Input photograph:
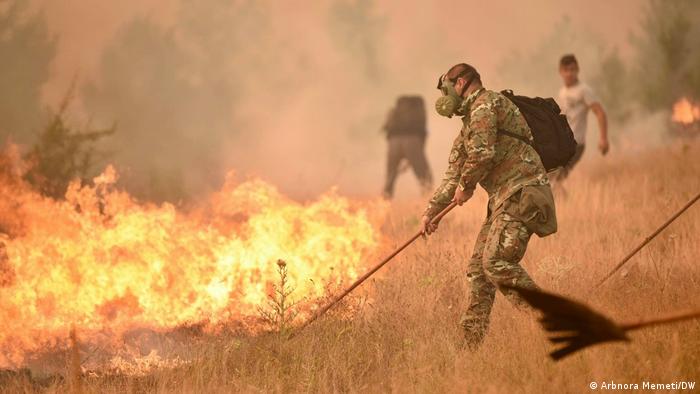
x=451 y=102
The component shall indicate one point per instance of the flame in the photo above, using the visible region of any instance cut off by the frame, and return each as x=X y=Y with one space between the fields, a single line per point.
x=685 y=112
x=106 y=263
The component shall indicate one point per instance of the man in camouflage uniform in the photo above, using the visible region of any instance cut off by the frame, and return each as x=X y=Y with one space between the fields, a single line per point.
x=511 y=172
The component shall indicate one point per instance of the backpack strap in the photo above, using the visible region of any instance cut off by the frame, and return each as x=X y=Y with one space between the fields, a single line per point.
x=516 y=136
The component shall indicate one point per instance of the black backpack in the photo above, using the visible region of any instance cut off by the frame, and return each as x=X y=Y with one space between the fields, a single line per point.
x=408 y=117
x=554 y=140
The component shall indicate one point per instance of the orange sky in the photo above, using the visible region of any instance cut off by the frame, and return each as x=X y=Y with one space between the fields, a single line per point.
x=421 y=39
x=489 y=29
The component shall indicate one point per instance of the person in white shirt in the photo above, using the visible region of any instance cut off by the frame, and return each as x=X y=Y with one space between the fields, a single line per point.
x=575 y=99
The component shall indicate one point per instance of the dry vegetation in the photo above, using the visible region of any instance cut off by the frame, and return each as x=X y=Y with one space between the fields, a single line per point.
x=402 y=334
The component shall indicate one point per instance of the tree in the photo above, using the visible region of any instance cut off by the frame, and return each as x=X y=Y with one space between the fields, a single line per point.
x=667 y=62
x=62 y=154
x=614 y=87
x=358 y=30
x=170 y=125
x=26 y=50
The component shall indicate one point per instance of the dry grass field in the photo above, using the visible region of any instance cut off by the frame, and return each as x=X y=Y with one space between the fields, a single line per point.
x=399 y=332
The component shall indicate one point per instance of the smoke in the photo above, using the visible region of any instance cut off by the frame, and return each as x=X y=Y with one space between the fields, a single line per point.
x=637 y=88
x=667 y=65
x=26 y=50
x=296 y=94
x=224 y=87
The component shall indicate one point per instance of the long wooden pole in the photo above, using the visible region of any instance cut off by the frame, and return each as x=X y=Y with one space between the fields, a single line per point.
x=648 y=239
x=661 y=320
x=374 y=269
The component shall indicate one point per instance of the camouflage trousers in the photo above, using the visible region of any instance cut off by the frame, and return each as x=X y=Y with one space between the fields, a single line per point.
x=499 y=247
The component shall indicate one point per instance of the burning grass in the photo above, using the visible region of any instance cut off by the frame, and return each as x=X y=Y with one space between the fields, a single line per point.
x=399 y=332
x=109 y=265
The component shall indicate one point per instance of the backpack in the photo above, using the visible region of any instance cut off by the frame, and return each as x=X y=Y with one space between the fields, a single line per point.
x=408 y=117
x=554 y=140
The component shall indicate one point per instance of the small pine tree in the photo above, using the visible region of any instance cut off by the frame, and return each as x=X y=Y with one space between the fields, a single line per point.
x=281 y=310
x=62 y=154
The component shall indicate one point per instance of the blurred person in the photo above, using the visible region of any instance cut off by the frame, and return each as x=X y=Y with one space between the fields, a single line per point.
x=406 y=133
x=576 y=98
x=511 y=171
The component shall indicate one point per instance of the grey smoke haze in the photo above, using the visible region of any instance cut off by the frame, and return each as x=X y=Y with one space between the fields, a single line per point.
x=26 y=50
x=297 y=94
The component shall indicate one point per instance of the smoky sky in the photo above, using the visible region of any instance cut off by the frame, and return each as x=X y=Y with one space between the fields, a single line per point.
x=296 y=94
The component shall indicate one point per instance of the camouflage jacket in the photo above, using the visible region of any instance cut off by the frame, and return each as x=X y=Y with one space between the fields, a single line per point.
x=499 y=163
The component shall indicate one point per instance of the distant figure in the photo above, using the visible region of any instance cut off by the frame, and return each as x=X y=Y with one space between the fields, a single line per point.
x=575 y=99
x=406 y=132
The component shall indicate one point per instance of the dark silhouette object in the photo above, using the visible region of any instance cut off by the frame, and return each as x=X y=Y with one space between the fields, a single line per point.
x=406 y=132
x=62 y=154
x=579 y=326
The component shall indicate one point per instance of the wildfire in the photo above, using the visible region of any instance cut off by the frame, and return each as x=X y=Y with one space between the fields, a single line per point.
x=685 y=112
x=105 y=263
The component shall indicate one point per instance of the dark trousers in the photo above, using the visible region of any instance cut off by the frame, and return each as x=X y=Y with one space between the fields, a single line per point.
x=411 y=148
x=564 y=172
